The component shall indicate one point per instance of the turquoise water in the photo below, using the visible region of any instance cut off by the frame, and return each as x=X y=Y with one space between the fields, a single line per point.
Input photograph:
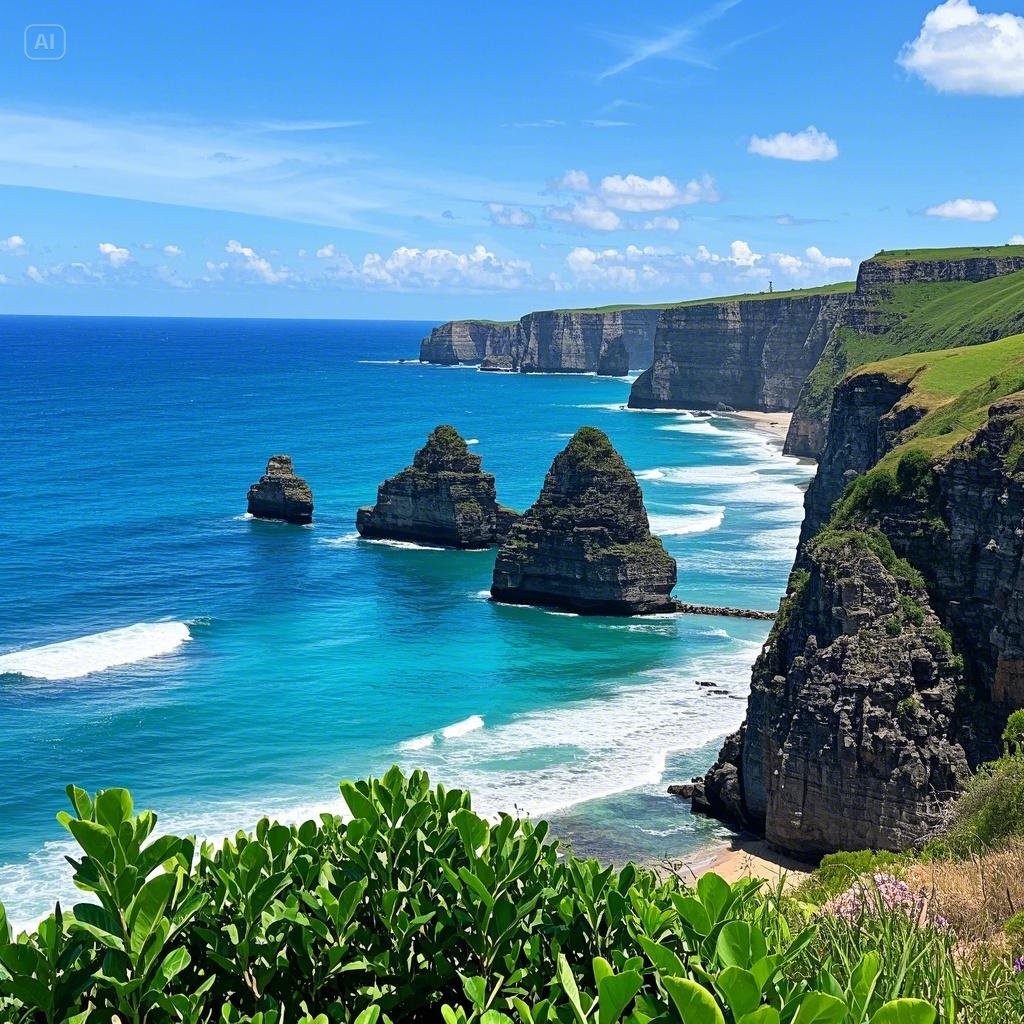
x=258 y=663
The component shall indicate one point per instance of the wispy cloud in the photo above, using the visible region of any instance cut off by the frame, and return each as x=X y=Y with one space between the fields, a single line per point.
x=673 y=44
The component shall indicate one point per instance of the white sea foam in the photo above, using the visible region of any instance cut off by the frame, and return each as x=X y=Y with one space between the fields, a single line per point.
x=612 y=743
x=701 y=476
x=472 y=440
x=683 y=525
x=243 y=517
x=693 y=427
x=85 y=655
x=417 y=742
x=457 y=729
x=344 y=541
x=404 y=545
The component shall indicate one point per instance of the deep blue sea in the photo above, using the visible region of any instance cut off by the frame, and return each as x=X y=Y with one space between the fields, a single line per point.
x=222 y=668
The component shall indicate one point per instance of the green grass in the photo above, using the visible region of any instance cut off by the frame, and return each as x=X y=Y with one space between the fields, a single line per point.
x=963 y=252
x=922 y=318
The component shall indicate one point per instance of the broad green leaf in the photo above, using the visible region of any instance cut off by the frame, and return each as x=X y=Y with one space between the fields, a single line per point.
x=80 y=801
x=369 y=1016
x=173 y=964
x=740 y=944
x=820 y=1008
x=473 y=830
x=694 y=913
x=602 y=969
x=740 y=989
x=570 y=988
x=358 y=803
x=762 y=1015
x=476 y=990
x=93 y=839
x=148 y=907
x=615 y=992
x=113 y=806
x=5 y=928
x=905 y=1011
x=667 y=963
x=863 y=981
x=714 y=892
x=696 y=1005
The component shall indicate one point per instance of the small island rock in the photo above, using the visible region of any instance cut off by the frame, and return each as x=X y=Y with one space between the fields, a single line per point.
x=586 y=545
x=280 y=494
x=442 y=498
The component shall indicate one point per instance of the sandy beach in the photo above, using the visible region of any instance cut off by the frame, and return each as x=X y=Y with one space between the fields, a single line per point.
x=774 y=423
x=748 y=857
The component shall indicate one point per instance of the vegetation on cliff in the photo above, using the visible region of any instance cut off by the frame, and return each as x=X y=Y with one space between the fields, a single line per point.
x=417 y=909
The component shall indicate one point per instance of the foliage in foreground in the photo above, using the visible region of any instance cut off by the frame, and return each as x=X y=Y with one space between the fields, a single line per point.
x=417 y=909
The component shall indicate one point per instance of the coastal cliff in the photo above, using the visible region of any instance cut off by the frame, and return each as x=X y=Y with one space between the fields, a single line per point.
x=746 y=353
x=910 y=301
x=443 y=498
x=586 y=544
x=556 y=341
x=898 y=651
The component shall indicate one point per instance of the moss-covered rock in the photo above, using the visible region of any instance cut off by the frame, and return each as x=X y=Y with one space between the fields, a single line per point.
x=586 y=544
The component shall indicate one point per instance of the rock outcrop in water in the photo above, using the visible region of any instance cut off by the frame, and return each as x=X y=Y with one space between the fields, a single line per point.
x=555 y=341
x=898 y=651
x=586 y=544
x=280 y=494
x=443 y=498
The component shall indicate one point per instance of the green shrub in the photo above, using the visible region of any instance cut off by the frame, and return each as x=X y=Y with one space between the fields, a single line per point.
x=990 y=810
x=912 y=611
x=417 y=909
x=894 y=625
x=838 y=871
x=1013 y=734
x=1014 y=927
x=914 y=472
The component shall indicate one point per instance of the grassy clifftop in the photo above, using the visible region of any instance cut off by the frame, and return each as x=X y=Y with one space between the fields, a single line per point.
x=919 y=317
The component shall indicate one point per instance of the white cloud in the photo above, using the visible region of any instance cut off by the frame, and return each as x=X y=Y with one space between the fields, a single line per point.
x=640 y=195
x=589 y=213
x=409 y=268
x=4 y=279
x=256 y=266
x=173 y=250
x=573 y=181
x=661 y=224
x=753 y=264
x=33 y=273
x=116 y=255
x=326 y=252
x=1016 y=240
x=961 y=50
x=510 y=216
x=13 y=244
x=629 y=268
x=980 y=210
x=809 y=144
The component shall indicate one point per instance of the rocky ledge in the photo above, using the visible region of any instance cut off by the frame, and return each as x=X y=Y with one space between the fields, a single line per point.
x=443 y=498
x=280 y=494
x=586 y=544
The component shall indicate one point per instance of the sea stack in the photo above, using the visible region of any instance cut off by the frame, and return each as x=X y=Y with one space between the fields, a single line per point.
x=280 y=494
x=443 y=498
x=586 y=545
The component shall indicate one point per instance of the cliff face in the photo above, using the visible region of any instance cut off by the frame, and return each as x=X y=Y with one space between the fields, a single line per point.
x=747 y=354
x=442 y=498
x=899 y=649
x=891 y=312
x=557 y=341
x=586 y=544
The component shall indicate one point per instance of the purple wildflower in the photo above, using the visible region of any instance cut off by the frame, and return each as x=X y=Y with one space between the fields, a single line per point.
x=884 y=894
x=1018 y=965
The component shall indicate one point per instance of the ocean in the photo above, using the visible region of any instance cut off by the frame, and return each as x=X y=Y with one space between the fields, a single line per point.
x=153 y=637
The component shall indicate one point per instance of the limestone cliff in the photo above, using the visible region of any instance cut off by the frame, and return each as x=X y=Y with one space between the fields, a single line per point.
x=898 y=651
x=443 y=498
x=748 y=353
x=586 y=544
x=280 y=494
x=556 y=341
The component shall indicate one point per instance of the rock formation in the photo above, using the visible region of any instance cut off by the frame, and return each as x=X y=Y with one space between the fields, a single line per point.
x=280 y=494
x=556 y=341
x=750 y=353
x=586 y=544
x=442 y=498
x=898 y=651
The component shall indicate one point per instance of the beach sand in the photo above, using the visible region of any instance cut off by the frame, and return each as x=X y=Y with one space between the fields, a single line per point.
x=747 y=857
x=774 y=423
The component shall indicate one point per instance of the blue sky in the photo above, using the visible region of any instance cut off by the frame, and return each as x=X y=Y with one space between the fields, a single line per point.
x=444 y=160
